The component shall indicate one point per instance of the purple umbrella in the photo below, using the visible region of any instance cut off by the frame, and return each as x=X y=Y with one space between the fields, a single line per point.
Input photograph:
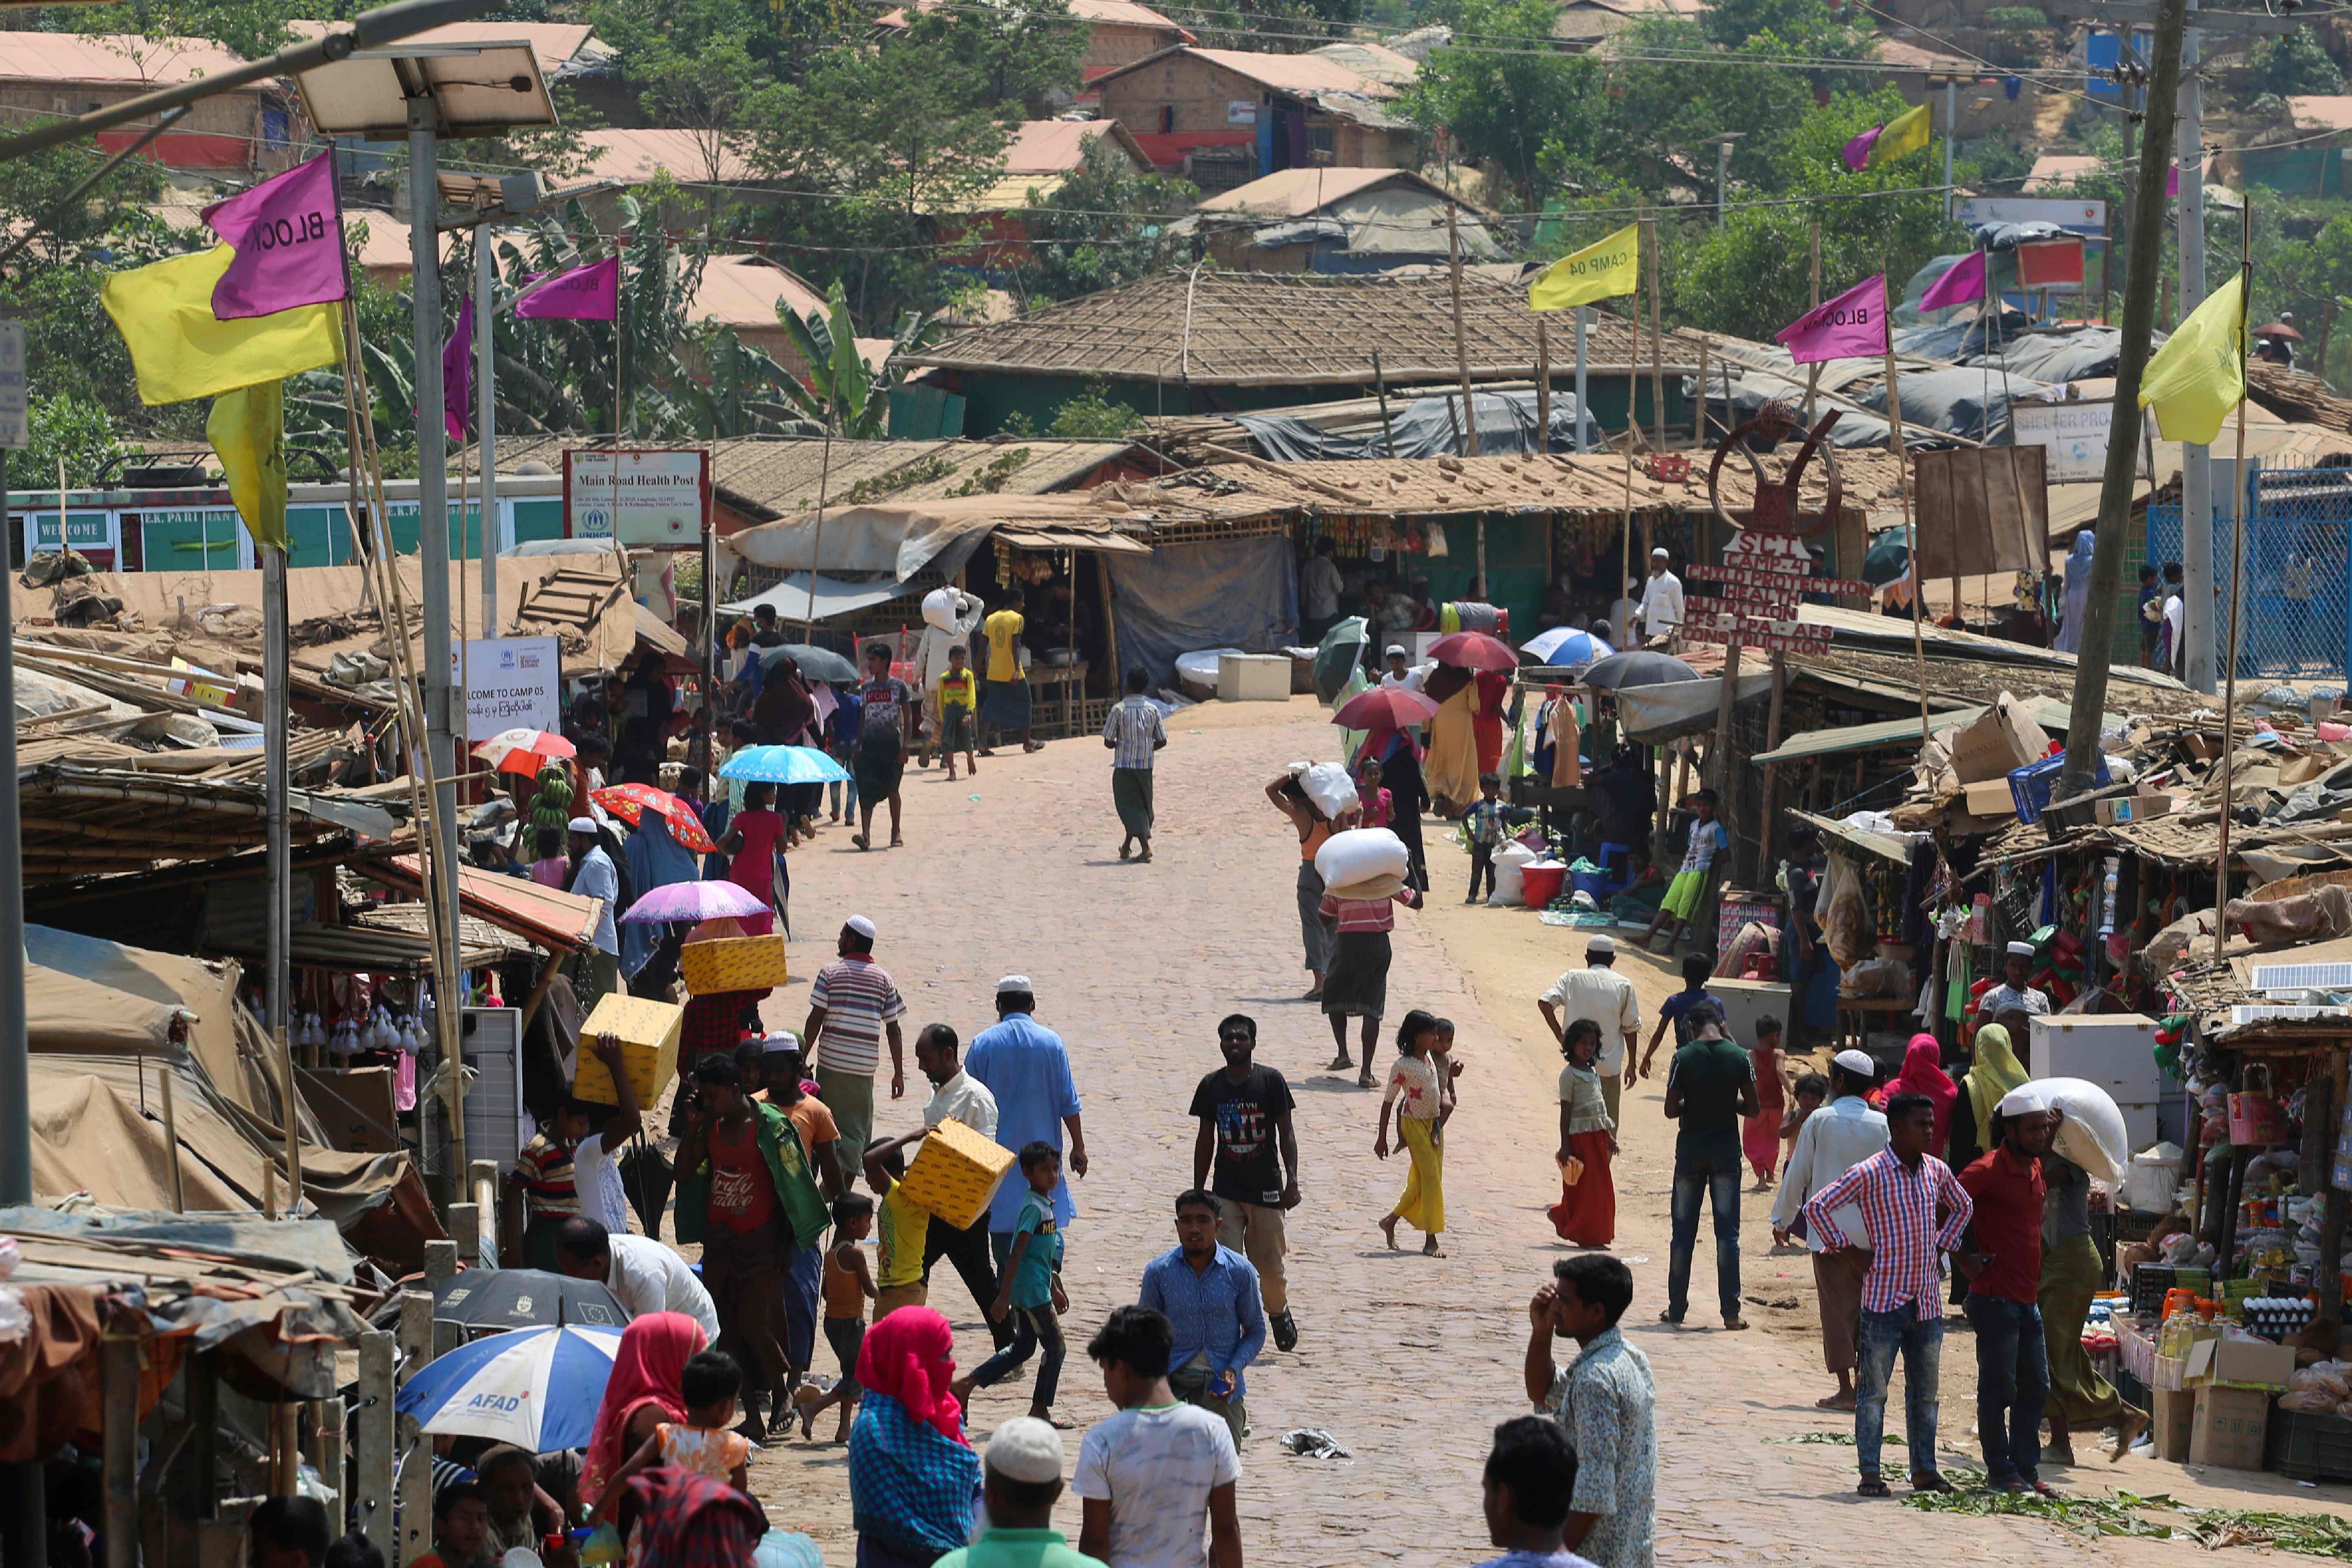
x=694 y=901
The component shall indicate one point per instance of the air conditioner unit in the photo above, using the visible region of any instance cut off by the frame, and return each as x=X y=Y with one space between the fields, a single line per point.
x=497 y=1124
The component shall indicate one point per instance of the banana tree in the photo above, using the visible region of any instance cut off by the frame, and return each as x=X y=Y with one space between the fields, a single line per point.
x=842 y=394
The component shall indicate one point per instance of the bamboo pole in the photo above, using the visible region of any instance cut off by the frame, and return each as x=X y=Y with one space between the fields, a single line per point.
x=2237 y=593
x=1543 y=388
x=1461 y=344
x=1657 y=343
x=1910 y=534
x=171 y=1138
x=816 y=541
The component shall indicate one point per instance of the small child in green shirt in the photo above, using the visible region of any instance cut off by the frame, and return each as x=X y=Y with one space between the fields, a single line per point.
x=1031 y=1290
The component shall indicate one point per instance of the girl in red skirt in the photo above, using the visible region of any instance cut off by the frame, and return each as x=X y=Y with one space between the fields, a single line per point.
x=1587 y=1211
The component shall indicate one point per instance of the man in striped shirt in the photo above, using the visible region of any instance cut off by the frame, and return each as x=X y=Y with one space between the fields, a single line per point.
x=1133 y=733
x=1915 y=1209
x=853 y=1006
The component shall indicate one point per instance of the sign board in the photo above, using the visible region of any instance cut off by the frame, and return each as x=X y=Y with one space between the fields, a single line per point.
x=84 y=530
x=1241 y=112
x=2074 y=434
x=2089 y=219
x=1765 y=578
x=513 y=683
x=15 y=397
x=663 y=496
x=1982 y=510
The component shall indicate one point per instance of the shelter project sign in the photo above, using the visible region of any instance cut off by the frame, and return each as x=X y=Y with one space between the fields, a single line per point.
x=2074 y=434
x=657 y=499
x=513 y=683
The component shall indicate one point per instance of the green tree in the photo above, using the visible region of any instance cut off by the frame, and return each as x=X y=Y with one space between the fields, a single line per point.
x=1107 y=225
x=2290 y=64
x=1513 y=103
x=75 y=429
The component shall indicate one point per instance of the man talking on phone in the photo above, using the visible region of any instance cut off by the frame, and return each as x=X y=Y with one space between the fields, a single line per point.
x=2004 y=1275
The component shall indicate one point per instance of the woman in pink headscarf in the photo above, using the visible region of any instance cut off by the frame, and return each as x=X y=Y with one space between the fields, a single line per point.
x=1923 y=1073
x=913 y=1478
x=642 y=1393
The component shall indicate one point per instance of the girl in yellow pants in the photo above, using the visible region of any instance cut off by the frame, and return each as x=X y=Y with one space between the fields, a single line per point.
x=1425 y=1103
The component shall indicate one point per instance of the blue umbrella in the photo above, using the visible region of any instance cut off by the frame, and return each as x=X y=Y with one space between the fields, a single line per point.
x=783 y=765
x=536 y=1388
x=1566 y=648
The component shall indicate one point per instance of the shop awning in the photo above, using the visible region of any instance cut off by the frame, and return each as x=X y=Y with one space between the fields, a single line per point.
x=1072 y=539
x=2046 y=711
x=547 y=916
x=1861 y=840
x=790 y=598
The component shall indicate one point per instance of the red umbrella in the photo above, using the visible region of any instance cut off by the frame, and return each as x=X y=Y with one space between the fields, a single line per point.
x=1384 y=708
x=1475 y=650
x=524 y=750
x=629 y=802
x=2279 y=329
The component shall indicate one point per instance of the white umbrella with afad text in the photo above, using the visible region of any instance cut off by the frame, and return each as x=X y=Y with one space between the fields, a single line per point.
x=536 y=1388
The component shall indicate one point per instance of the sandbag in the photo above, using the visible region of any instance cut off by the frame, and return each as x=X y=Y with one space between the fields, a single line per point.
x=1329 y=787
x=1348 y=859
x=1511 y=862
x=939 y=609
x=2092 y=1131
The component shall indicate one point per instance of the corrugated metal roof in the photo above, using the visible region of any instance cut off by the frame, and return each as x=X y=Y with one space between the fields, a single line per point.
x=634 y=157
x=2054 y=170
x=744 y=291
x=1296 y=193
x=116 y=59
x=1293 y=73
x=2331 y=111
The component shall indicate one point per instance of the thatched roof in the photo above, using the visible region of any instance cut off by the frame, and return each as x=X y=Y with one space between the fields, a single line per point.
x=1212 y=328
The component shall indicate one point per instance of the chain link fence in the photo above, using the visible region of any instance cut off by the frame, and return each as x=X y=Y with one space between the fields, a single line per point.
x=2294 y=620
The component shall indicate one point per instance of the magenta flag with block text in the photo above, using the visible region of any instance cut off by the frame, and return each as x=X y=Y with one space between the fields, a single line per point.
x=1851 y=326
x=589 y=293
x=1963 y=285
x=288 y=233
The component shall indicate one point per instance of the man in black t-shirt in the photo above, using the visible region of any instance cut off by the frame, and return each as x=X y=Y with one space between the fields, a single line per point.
x=1244 y=1115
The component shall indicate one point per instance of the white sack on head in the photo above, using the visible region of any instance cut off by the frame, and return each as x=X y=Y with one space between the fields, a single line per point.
x=939 y=608
x=2092 y=1131
x=1361 y=854
x=1329 y=787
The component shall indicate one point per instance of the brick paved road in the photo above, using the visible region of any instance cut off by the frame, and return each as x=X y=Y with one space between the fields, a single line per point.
x=1409 y=1361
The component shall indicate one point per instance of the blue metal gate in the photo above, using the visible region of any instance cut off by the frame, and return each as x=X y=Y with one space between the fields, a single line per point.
x=2296 y=615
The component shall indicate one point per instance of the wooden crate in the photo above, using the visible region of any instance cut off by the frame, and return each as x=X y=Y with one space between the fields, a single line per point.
x=956 y=1172
x=733 y=963
x=647 y=1032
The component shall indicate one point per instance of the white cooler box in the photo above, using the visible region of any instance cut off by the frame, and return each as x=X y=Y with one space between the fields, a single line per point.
x=1253 y=678
x=2117 y=1052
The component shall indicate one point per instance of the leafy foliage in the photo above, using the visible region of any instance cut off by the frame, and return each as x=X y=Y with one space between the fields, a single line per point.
x=76 y=429
x=2294 y=63
x=1107 y=225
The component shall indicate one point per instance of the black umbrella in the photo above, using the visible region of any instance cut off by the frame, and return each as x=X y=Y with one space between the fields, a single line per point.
x=816 y=663
x=1638 y=667
x=524 y=1299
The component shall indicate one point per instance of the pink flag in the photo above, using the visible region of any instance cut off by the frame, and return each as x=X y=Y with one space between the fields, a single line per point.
x=589 y=293
x=2172 y=181
x=1851 y=326
x=1857 y=152
x=1963 y=285
x=458 y=375
x=288 y=233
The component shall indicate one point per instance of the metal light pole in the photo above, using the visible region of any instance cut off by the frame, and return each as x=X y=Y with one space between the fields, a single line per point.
x=433 y=523
x=1721 y=142
x=486 y=427
x=2196 y=460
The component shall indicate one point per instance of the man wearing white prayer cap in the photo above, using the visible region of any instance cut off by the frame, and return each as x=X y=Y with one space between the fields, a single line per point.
x=1021 y=1481
x=1834 y=1139
x=597 y=970
x=2013 y=995
x=852 y=1007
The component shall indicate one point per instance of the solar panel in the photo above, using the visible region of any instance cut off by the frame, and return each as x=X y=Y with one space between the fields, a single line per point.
x=2303 y=977
x=2252 y=1012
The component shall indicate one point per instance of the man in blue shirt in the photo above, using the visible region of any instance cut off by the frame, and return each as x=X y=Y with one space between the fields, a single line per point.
x=1210 y=1295
x=1025 y=1066
x=598 y=971
x=1697 y=969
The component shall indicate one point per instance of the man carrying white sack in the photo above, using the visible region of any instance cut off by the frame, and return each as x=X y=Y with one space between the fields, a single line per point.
x=2089 y=1130
x=1364 y=869
x=960 y=612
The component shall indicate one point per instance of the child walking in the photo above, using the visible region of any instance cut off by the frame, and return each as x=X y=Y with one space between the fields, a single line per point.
x=1031 y=1290
x=703 y=1442
x=848 y=1284
x=841 y=733
x=959 y=700
x=1760 y=1133
x=1413 y=1081
x=1482 y=825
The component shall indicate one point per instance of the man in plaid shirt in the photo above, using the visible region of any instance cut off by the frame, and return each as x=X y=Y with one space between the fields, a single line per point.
x=1133 y=733
x=1915 y=1209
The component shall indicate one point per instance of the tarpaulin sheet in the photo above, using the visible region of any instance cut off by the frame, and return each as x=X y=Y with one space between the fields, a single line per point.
x=1752 y=390
x=2083 y=354
x=1971 y=400
x=1425 y=427
x=1241 y=592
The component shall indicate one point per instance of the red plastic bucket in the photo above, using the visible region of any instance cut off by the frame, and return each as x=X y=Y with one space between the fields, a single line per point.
x=1541 y=884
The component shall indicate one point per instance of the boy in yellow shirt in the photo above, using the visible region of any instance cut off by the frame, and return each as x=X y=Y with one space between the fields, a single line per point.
x=1007 y=704
x=958 y=701
x=901 y=1227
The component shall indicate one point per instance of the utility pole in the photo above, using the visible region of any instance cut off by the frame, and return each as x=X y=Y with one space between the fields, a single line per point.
x=2140 y=285
x=1951 y=135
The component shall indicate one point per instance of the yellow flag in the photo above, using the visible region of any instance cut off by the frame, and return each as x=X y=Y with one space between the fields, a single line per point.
x=1907 y=132
x=1599 y=271
x=248 y=430
x=181 y=350
x=2199 y=375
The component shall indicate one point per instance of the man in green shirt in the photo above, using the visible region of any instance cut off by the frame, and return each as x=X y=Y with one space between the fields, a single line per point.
x=1710 y=1086
x=1022 y=1477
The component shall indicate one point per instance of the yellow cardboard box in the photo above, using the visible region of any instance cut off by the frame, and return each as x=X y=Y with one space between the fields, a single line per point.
x=955 y=1173
x=733 y=963
x=647 y=1032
